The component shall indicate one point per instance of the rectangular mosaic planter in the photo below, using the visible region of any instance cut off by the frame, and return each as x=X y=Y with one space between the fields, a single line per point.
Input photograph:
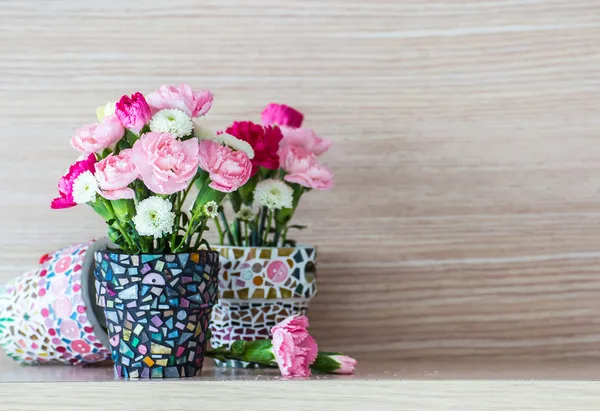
x=157 y=310
x=258 y=288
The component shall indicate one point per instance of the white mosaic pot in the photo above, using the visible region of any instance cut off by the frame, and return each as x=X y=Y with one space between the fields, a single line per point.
x=258 y=288
x=48 y=314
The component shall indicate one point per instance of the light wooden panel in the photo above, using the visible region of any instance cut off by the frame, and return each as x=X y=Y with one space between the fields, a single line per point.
x=466 y=217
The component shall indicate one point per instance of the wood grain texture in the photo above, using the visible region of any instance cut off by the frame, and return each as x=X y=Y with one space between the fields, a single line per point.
x=466 y=216
x=386 y=385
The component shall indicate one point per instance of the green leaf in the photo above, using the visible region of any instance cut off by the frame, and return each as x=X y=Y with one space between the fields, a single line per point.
x=238 y=347
x=101 y=209
x=298 y=227
x=111 y=221
x=284 y=215
x=185 y=219
x=246 y=191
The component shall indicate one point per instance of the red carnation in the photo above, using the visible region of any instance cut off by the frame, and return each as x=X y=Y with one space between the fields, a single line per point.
x=264 y=142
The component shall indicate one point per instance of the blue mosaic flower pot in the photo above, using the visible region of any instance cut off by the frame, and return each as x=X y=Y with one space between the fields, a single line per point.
x=157 y=309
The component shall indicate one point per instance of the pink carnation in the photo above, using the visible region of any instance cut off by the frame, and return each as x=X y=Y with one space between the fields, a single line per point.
x=228 y=169
x=264 y=141
x=192 y=103
x=306 y=138
x=96 y=137
x=294 y=349
x=281 y=115
x=114 y=174
x=65 y=184
x=304 y=169
x=165 y=164
x=133 y=112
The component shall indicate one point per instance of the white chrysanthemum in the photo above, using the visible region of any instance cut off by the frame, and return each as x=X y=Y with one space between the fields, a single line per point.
x=85 y=188
x=273 y=194
x=172 y=120
x=210 y=209
x=154 y=217
x=246 y=213
x=236 y=144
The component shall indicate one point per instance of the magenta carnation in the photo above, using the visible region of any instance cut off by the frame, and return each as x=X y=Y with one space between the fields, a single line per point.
x=65 y=184
x=264 y=141
x=133 y=112
x=281 y=115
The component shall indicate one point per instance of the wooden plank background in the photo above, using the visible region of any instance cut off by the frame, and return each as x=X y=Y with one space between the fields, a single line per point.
x=466 y=216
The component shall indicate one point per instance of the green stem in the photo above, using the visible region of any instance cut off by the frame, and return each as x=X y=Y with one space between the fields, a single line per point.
x=227 y=228
x=268 y=228
x=261 y=227
x=199 y=234
x=284 y=236
x=246 y=238
x=238 y=231
x=119 y=226
x=191 y=224
x=219 y=230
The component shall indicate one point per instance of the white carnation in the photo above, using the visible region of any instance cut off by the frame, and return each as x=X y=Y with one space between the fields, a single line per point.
x=274 y=194
x=154 y=217
x=172 y=120
x=85 y=188
x=236 y=144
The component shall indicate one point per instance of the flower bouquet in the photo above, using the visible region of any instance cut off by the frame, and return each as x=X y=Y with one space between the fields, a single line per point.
x=139 y=164
x=265 y=276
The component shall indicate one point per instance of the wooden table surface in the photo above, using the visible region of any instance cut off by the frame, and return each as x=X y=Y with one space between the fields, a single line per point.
x=465 y=221
x=407 y=385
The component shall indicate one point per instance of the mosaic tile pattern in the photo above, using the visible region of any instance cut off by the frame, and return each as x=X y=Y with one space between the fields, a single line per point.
x=43 y=317
x=258 y=288
x=157 y=310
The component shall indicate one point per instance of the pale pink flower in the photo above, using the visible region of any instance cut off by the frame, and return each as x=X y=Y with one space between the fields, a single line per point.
x=165 y=164
x=193 y=103
x=228 y=169
x=65 y=184
x=281 y=115
x=305 y=138
x=115 y=173
x=347 y=364
x=294 y=349
x=304 y=169
x=133 y=112
x=96 y=137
